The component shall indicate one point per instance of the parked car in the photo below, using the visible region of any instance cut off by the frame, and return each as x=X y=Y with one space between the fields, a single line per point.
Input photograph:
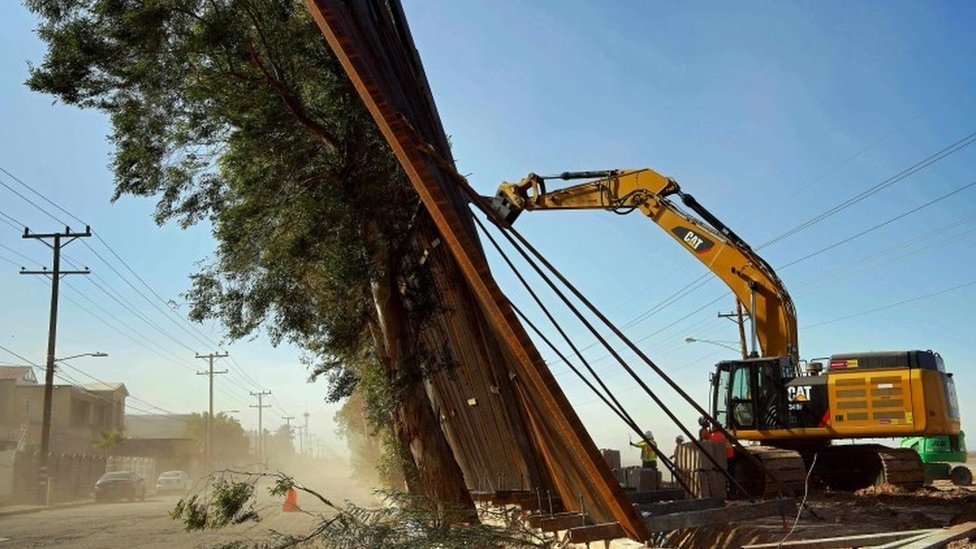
x=118 y=485
x=173 y=482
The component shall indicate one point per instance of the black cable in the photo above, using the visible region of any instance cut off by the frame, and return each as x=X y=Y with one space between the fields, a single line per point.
x=911 y=170
x=616 y=407
x=518 y=242
x=46 y=199
x=893 y=305
x=880 y=225
x=9 y=220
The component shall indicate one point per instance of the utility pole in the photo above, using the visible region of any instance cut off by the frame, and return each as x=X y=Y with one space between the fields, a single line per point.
x=308 y=434
x=210 y=373
x=301 y=440
x=737 y=317
x=59 y=241
x=261 y=406
x=288 y=424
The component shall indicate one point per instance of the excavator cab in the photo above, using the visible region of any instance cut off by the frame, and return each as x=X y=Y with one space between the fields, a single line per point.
x=751 y=394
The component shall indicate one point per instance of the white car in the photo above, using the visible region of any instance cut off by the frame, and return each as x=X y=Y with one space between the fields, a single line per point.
x=173 y=482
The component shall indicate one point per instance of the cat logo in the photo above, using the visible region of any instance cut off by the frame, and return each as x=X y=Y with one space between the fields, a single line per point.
x=695 y=241
x=798 y=394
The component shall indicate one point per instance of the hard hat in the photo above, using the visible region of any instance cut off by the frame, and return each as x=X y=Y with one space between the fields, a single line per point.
x=680 y=439
x=648 y=435
x=703 y=421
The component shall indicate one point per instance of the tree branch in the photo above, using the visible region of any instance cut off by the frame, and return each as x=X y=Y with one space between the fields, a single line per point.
x=293 y=103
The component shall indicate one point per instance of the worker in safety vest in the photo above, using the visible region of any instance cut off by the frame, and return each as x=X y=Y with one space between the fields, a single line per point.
x=648 y=455
x=704 y=433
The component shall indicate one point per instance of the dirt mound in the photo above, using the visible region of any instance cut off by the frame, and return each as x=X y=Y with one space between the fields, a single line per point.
x=889 y=489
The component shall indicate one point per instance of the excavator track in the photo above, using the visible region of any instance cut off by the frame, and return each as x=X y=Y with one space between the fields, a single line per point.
x=902 y=467
x=785 y=467
x=863 y=465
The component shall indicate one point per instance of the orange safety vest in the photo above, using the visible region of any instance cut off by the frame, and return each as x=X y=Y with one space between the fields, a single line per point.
x=717 y=436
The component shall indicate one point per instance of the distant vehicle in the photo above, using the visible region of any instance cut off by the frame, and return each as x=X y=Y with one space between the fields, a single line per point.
x=175 y=482
x=119 y=485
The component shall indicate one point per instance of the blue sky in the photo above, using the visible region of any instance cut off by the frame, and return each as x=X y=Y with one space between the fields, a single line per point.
x=769 y=113
x=64 y=154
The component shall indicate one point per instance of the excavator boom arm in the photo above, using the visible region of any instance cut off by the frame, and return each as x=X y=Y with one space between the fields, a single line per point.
x=750 y=278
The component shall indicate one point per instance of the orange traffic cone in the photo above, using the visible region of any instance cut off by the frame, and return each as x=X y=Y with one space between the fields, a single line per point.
x=291 y=501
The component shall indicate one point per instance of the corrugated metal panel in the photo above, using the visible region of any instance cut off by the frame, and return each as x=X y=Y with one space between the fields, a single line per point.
x=372 y=41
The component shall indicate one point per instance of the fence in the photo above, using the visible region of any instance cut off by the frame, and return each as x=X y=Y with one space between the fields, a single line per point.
x=72 y=476
x=7 y=476
x=703 y=478
x=145 y=467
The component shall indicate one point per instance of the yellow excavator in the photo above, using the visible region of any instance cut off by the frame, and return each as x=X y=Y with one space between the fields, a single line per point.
x=795 y=411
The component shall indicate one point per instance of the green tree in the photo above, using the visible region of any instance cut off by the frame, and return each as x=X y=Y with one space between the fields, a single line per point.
x=280 y=444
x=230 y=443
x=236 y=112
x=109 y=440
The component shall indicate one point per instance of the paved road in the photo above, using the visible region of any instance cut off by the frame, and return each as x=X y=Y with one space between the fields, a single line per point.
x=144 y=525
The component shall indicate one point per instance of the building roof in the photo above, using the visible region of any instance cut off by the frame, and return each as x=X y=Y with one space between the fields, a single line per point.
x=19 y=373
x=102 y=387
x=156 y=425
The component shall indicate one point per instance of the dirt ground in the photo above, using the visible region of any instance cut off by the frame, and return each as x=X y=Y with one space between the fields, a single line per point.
x=840 y=514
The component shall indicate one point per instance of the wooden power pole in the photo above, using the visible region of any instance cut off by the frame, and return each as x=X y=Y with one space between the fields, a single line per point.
x=261 y=406
x=210 y=373
x=58 y=241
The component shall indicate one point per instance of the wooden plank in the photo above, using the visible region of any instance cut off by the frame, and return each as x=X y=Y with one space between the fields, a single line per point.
x=941 y=539
x=730 y=513
x=565 y=522
x=683 y=506
x=841 y=542
x=596 y=532
x=531 y=503
x=505 y=497
x=653 y=496
x=535 y=520
x=900 y=544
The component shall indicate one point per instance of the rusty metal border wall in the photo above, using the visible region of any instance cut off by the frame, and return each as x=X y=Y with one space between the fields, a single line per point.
x=373 y=43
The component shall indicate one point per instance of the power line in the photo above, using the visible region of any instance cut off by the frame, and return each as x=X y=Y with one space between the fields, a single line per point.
x=166 y=310
x=65 y=377
x=13 y=222
x=892 y=305
x=22 y=256
x=93 y=378
x=870 y=191
x=880 y=225
x=29 y=201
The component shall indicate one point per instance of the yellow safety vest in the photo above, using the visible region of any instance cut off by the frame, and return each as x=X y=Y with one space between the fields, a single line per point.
x=647 y=451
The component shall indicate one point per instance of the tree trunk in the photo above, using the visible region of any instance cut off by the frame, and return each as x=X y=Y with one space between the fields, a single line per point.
x=438 y=475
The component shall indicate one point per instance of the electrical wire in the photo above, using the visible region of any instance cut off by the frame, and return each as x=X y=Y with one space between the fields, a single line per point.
x=870 y=191
x=893 y=305
x=880 y=225
x=166 y=310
